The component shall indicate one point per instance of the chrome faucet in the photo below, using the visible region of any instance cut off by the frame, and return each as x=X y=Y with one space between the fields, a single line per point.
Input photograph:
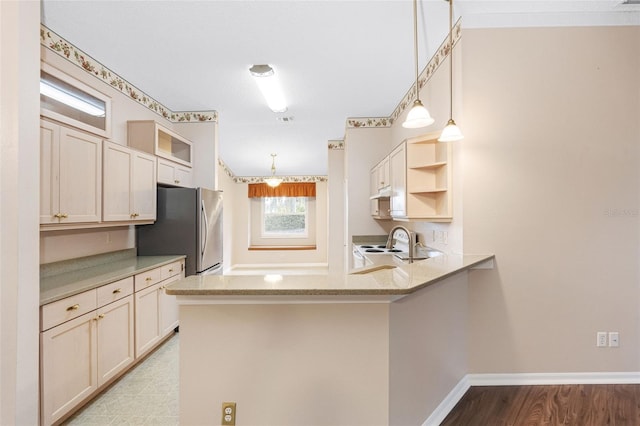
x=410 y=235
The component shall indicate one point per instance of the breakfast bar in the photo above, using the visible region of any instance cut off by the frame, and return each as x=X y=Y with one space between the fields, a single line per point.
x=381 y=345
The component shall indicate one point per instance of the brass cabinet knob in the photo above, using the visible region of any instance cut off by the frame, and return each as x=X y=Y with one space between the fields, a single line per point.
x=117 y=290
x=73 y=308
x=176 y=181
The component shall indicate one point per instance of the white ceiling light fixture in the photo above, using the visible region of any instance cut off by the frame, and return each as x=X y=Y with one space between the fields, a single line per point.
x=269 y=85
x=451 y=132
x=418 y=115
x=273 y=181
x=69 y=99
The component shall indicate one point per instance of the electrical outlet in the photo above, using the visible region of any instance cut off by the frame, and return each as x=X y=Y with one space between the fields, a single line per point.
x=228 y=414
x=614 y=339
x=601 y=339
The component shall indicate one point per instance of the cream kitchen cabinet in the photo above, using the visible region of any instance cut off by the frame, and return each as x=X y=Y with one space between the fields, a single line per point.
x=379 y=189
x=421 y=180
x=70 y=175
x=398 y=181
x=156 y=311
x=86 y=341
x=129 y=184
x=175 y=174
x=151 y=137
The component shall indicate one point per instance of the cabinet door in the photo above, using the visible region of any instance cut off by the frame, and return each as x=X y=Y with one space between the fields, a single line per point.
x=383 y=174
x=147 y=322
x=117 y=182
x=115 y=338
x=49 y=167
x=143 y=186
x=174 y=174
x=398 y=181
x=166 y=170
x=168 y=307
x=68 y=366
x=80 y=176
x=184 y=176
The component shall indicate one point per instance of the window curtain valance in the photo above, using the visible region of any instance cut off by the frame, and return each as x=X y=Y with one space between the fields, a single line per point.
x=303 y=189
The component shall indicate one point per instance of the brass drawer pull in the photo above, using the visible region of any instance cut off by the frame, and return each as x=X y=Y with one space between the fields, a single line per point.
x=171 y=270
x=99 y=317
x=148 y=279
x=73 y=308
x=117 y=290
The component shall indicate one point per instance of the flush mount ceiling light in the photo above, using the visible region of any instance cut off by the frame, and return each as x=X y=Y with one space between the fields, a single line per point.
x=269 y=85
x=60 y=95
x=273 y=181
x=451 y=132
x=418 y=115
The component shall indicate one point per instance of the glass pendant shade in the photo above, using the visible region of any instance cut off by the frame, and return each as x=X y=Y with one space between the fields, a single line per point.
x=273 y=181
x=451 y=132
x=418 y=116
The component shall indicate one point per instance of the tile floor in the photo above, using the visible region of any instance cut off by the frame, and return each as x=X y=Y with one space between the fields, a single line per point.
x=146 y=395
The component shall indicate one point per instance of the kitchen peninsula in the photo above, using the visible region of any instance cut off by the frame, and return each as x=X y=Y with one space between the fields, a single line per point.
x=382 y=345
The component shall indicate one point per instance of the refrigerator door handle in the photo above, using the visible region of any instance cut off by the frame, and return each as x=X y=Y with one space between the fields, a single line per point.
x=205 y=228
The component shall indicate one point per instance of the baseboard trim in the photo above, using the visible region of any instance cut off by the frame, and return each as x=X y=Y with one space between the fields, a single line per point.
x=523 y=379
x=553 y=378
x=447 y=404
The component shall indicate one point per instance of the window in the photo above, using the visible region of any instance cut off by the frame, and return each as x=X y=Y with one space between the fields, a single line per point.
x=284 y=217
x=70 y=101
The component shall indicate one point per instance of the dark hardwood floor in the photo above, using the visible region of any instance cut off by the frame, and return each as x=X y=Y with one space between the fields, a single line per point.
x=578 y=405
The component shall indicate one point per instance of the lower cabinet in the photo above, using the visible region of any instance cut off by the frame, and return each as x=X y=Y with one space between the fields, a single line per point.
x=89 y=339
x=156 y=313
x=80 y=355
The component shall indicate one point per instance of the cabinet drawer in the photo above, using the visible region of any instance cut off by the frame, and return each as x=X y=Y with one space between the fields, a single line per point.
x=69 y=308
x=114 y=291
x=145 y=279
x=171 y=269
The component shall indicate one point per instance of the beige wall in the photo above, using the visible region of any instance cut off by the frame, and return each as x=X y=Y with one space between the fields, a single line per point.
x=364 y=148
x=236 y=203
x=19 y=188
x=551 y=186
x=428 y=349
x=285 y=364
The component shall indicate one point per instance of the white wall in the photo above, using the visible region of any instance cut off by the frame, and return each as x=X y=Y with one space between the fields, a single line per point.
x=552 y=187
x=19 y=189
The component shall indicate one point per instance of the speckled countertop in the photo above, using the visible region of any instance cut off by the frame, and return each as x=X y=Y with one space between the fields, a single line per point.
x=63 y=279
x=386 y=276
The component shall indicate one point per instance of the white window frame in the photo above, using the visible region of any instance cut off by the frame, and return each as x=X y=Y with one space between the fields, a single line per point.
x=255 y=227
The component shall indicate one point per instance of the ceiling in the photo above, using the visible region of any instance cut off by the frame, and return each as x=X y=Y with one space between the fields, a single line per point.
x=335 y=59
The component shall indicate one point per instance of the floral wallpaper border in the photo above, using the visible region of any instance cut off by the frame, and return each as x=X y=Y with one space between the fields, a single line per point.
x=336 y=145
x=437 y=59
x=68 y=51
x=260 y=179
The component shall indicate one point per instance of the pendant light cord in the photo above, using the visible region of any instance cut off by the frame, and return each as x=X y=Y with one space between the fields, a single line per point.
x=450 y=59
x=415 y=44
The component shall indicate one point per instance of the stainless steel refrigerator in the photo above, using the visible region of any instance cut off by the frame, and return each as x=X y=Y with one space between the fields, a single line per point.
x=189 y=221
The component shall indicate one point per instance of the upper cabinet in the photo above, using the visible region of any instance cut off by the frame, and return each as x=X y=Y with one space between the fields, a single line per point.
x=70 y=175
x=421 y=180
x=129 y=184
x=149 y=136
x=67 y=100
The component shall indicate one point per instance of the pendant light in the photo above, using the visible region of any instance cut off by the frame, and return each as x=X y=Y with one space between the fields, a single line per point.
x=418 y=115
x=273 y=181
x=451 y=132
